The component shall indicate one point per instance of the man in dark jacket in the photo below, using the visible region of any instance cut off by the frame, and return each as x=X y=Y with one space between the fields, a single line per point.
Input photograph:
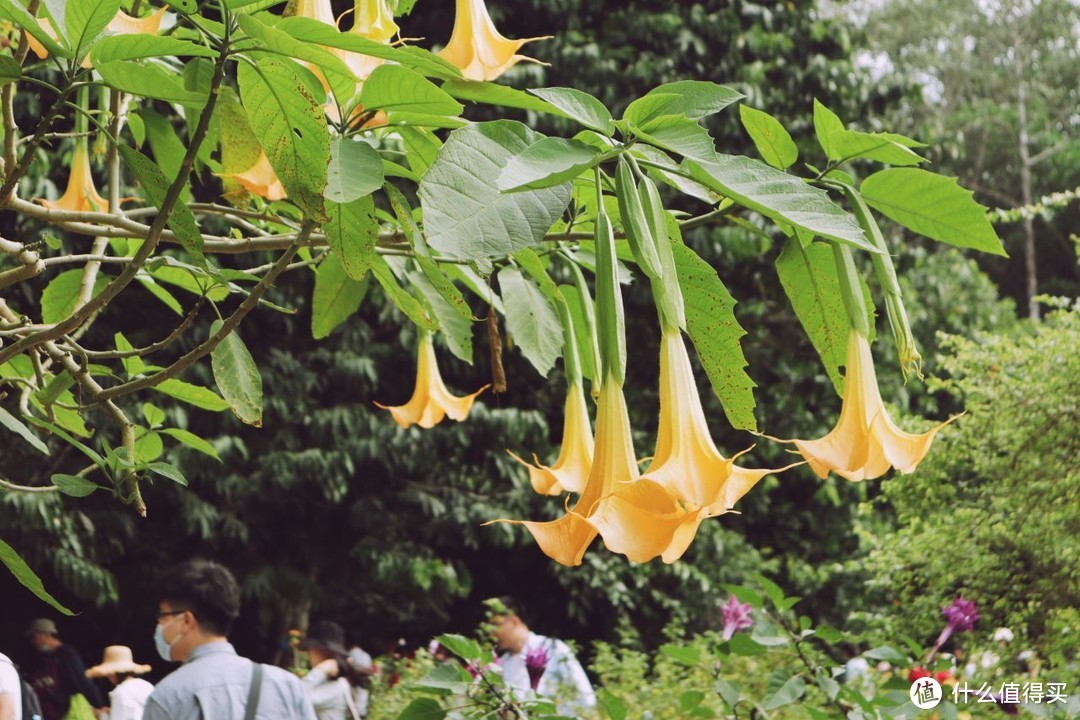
x=58 y=672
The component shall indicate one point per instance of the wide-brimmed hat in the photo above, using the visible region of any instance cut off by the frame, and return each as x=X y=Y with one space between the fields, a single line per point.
x=41 y=625
x=325 y=635
x=117 y=661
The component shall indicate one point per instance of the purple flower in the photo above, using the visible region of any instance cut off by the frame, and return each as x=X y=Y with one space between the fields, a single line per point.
x=736 y=616
x=536 y=662
x=960 y=616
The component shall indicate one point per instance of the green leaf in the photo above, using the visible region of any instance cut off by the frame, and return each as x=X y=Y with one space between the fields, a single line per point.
x=777 y=195
x=352 y=233
x=500 y=95
x=680 y=135
x=422 y=709
x=830 y=687
x=60 y=296
x=465 y=648
x=148 y=80
x=336 y=297
x=793 y=689
x=422 y=61
x=729 y=692
x=140 y=46
x=393 y=87
x=196 y=395
x=27 y=577
x=84 y=20
x=16 y=426
x=850 y=144
x=168 y=148
x=193 y=441
x=237 y=376
x=400 y=297
x=421 y=147
x=148 y=447
x=715 y=332
x=695 y=98
x=547 y=162
x=338 y=76
x=356 y=170
x=168 y=471
x=827 y=125
x=770 y=137
x=584 y=337
x=747 y=595
x=613 y=706
x=683 y=654
x=579 y=106
x=291 y=125
x=648 y=107
x=887 y=653
x=181 y=219
x=14 y=11
x=531 y=320
x=61 y=433
x=465 y=214
x=743 y=645
x=447 y=676
x=690 y=699
x=154 y=415
x=772 y=590
x=10 y=70
x=829 y=634
x=932 y=205
x=809 y=278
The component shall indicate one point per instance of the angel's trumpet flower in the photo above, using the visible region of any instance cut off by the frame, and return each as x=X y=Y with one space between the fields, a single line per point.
x=571 y=469
x=320 y=10
x=566 y=539
x=431 y=401
x=865 y=443
x=374 y=21
x=477 y=47
x=260 y=179
x=80 y=195
x=688 y=479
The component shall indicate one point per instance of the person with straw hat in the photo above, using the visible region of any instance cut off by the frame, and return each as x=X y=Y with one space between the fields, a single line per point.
x=129 y=694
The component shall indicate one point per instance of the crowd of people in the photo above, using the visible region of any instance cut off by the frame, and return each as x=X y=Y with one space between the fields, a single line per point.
x=198 y=602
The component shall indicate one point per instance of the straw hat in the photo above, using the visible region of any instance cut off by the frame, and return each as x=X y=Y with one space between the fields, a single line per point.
x=118 y=660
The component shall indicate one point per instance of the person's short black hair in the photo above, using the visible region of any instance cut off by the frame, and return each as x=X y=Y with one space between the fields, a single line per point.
x=205 y=588
x=508 y=605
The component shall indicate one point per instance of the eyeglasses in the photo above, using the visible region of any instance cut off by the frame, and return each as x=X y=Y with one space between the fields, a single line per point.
x=169 y=613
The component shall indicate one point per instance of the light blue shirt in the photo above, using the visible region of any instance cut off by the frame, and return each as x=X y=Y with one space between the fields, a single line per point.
x=213 y=684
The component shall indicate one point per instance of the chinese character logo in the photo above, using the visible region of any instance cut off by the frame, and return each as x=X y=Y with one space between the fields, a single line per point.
x=925 y=693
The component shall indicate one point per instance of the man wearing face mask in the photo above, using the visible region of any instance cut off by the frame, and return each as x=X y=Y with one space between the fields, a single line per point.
x=199 y=601
x=58 y=672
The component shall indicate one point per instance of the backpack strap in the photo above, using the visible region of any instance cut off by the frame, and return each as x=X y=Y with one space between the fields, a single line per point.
x=254 y=691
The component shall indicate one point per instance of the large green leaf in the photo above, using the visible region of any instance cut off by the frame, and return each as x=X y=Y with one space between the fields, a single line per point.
x=336 y=297
x=770 y=138
x=458 y=330
x=693 y=99
x=396 y=88
x=777 y=195
x=10 y=71
x=841 y=144
x=352 y=233
x=398 y=295
x=337 y=74
x=465 y=214
x=827 y=125
x=356 y=170
x=28 y=578
x=291 y=126
x=60 y=296
x=85 y=20
x=14 y=11
x=811 y=283
x=502 y=95
x=237 y=376
x=547 y=162
x=579 y=106
x=932 y=205
x=181 y=219
x=715 y=332
x=74 y=485
x=680 y=135
x=142 y=45
x=13 y=424
x=193 y=441
x=422 y=708
x=532 y=321
x=150 y=80
x=196 y=395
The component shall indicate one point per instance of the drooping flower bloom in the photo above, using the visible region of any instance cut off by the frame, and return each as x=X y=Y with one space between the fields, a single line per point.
x=320 y=10
x=374 y=21
x=736 y=616
x=536 y=662
x=688 y=479
x=477 y=47
x=960 y=616
x=865 y=443
x=260 y=179
x=566 y=539
x=80 y=195
x=571 y=468
x=431 y=401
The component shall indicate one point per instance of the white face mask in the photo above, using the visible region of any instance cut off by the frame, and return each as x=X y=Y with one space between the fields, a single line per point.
x=164 y=648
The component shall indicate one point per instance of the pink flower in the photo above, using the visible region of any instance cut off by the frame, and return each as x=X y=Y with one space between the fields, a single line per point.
x=536 y=661
x=736 y=616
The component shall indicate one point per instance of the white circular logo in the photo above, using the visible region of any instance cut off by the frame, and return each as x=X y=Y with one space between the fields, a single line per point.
x=925 y=693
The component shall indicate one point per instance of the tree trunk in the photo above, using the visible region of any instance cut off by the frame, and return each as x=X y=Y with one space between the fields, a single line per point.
x=1024 y=141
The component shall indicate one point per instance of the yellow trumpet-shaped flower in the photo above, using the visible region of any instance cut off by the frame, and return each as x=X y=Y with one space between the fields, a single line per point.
x=687 y=481
x=374 y=21
x=431 y=401
x=80 y=195
x=260 y=179
x=865 y=443
x=566 y=539
x=320 y=10
x=571 y=469
x=477 y=47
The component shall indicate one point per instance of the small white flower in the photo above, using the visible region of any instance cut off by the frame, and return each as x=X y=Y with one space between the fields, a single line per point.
x=1003 y=634
x=988 y=659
